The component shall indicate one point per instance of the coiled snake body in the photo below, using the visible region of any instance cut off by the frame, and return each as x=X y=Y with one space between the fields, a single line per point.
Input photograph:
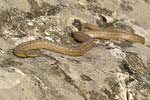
x=27 y=49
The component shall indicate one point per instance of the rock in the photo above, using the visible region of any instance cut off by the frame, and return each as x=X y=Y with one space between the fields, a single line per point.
x=111 y=70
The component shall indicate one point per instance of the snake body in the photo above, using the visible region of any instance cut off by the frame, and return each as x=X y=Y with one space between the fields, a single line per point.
x=85 y=37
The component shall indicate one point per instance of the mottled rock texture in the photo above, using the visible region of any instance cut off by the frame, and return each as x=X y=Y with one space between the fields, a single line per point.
x=111 y=70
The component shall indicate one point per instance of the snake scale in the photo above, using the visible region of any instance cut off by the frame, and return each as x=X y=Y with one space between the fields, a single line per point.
x=85 y=37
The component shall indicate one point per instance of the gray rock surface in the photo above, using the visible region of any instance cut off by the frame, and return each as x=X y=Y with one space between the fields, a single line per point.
x=111 y=70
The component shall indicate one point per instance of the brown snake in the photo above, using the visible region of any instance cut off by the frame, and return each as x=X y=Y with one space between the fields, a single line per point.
x=28 y=49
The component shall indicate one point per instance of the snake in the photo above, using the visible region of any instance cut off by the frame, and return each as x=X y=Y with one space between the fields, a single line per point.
x=85 y=37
